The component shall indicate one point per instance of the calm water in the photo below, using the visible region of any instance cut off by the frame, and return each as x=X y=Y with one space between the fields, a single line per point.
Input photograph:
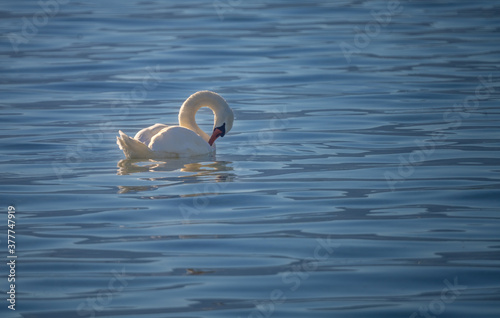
x=361 y=178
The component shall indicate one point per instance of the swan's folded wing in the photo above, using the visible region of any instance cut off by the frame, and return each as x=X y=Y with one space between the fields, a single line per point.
x=145 y=135
x=179 y=142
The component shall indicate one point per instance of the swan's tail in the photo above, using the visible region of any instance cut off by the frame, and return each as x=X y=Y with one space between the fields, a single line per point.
x=132 y=148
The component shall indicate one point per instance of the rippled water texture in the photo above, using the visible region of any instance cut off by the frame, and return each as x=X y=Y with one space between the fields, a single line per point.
x=361 y=178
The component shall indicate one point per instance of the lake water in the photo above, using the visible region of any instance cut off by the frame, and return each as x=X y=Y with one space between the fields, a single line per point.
x=361 y=177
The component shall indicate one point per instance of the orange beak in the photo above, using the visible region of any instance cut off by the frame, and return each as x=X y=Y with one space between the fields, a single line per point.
x=217 y=132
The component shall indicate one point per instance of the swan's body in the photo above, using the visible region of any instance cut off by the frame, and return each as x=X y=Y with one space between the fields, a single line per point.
x=185 y=140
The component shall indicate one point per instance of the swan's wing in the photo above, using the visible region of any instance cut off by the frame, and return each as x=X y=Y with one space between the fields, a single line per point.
x=179 y=141
x=145 y=135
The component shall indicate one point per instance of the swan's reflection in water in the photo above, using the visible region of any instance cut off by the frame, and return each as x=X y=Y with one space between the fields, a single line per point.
x=193 y=171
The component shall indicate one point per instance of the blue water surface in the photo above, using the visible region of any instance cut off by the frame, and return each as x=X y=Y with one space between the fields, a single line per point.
x=361 y=177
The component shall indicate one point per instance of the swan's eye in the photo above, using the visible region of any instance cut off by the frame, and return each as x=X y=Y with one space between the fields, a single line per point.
x=222 y=129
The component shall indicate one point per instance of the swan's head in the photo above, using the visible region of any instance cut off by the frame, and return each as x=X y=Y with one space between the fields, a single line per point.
x=223 y=115
x=223 y=122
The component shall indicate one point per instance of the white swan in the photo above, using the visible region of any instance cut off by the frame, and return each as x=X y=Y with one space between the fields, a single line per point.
x=185 y=140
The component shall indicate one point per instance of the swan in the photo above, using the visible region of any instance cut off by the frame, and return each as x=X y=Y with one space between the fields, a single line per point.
x=187 y=139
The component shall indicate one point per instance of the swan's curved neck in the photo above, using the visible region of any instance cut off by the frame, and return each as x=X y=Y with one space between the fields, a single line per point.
x=200 y=99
